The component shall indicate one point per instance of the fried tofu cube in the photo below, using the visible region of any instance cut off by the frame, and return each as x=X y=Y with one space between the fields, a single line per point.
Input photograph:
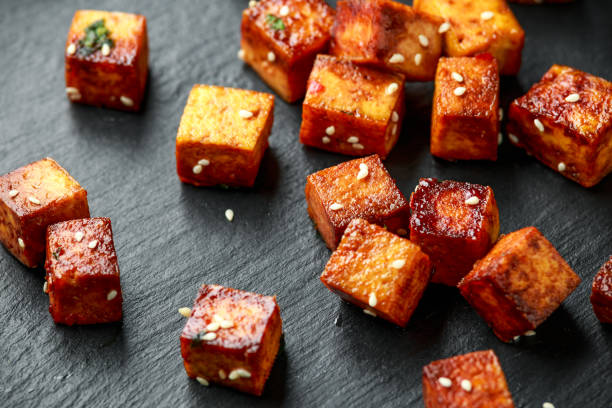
x=82 y=272
x=223 y=136
x=351 y=109
x=565 y=121
x=107 y=59
x=360 y=188
x=280 y=40
x=469 y=380
x=519 y=283
x=389 y=35
x=540 y=1
x=31 y=198
x=601 y=293
x=476 y=27
x=378 y=271
x=455 y=223
x=231 y=338
x=465 y=114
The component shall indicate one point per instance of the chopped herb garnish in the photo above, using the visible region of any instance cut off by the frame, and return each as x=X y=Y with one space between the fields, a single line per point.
x=275 y=23
x=198 y=339
x=96 y=35
x=57 y=253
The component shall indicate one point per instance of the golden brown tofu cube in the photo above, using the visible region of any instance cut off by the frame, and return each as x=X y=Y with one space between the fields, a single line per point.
x=389 y=35
x=223 y=136
x=351 y=109
x=280 y=40
x=479 y=26
x=540 y=1
x=601 y=293
x=107 y=59
x=473 y=380
x=31 y=198
x=520 y=282
x=378 y=271
x=565 y=121
x=360 y=188
x=465 y=114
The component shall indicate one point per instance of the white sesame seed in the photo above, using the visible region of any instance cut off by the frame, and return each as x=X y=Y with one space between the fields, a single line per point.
x=229 y=214
x=126 y=101
x=222 y=375
x=423 y=40
x=217 y=318
x=46 y=287
x=529 y=333
x=203 y=381
x=353 y=139
x=459 y=90
x=73 y=93
x=78 y=236
x=185 y=311
x=444 y=27
x=394 y=130
x=418 y=57
x=372 y=301
x=197 y=169
x=548 y=405
x=363 y=171
x=209 y=336
x=395 y=116
x=111 y=295
x=397 y=59
x=487 y=15
x=226 y=324
x=252 y=3
x=538 y=124
x=13 y=193
x=34 y=200
x=466 y=385
x=21 y=243
x=271 y=56
x=500 y=114
x=358 y=146
x=561 y=166
x=245 y=114
x=401 y=231
x=456 y=76
x=92 y=244
x=284 y=11
x=106 y=49
x=445 y=382
x=500 y=138
x=369 y=312
x=398 y=263
x=335 y=206
x=472 y=200
x=392 y=88
x=325 y=140
x=203 y=162
x=211 y=327
x=239 y=373
x=71 y=49
x=330 y=130
x=241 y=54
x=572 y=98
x=513 y=138
x=516 y=338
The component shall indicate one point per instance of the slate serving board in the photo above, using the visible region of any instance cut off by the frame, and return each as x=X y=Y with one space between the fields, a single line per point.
x=170 y=237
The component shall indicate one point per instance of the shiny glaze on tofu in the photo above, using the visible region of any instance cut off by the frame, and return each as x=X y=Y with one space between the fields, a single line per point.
x=477 y=27
x=351 y=109
x=31 y=198
x=455 y=223
x=360 y=188
x=223 y=135
x=232 y=338
x=520 y=282
x=474 y=380
x=282 y=48
x=378 y=271
x=575 y=137
x=601 y=293
x=117 y=80
x=82 y=272
x=465 y=126
x=389 y=35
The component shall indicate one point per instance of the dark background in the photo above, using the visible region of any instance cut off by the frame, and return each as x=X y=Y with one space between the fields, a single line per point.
x=171 y=237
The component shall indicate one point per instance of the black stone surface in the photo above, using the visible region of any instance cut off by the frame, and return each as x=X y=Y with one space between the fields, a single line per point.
x=170 y=237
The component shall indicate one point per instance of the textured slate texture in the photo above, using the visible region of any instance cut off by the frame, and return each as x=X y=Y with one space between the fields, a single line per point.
x=172 y=237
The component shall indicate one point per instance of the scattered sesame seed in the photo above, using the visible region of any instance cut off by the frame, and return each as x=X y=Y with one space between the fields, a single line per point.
x=487 y=15
x=106 y=49
x=358 y=146
x=13 y=193
x=444 y=27
x=572 y=98
x=126 y=101
x=226 y=324
x=398 y=263
x=445 y=382
x=500 y=138
x=241 y=54
x=513 y=138
x=73 y=93
x=392 y=88
x=209 y=336
x=529 y=333
x=369 y=312
x=538 y=124
x=372 y=301
x=185 y=311
x=78 y=236
x=93 y=244
x=46 y=287
x=197 y=169
x=330 y=130
x=284 y=11
x=239 y=373
x=501 y=114
x=456 y=76
x=217 y=318
x=363 y=171
x=459 y=90
x=516 y=338
x=229 y=214
x=71 y=49
x=397 y=59
x=203 y=162
x=203 y=381
x=472 y=200
x=548 y=405
x=401 y=231
x=335 y=206
x=325 y=140
x=271 y=56
x=211 y=327
x=111 y=295
x=34 y=200
x=222 y=375
x=466 y=385
x=353 y=139
x=21 y=243
x=245 y=114
x=561 y=166
x=394 y=130
x=418 y=57
x=395 y=116
x=423 y=40
x=252 y=3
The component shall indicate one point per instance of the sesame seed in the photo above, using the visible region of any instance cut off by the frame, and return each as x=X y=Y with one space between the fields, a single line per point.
x=418 y=57
x=330 y=130
x=21 y=243
x=561 y=166
x=444 y=27
x=229 y=214
x=395 y=116
x=197 y=169
x=472 y=200
x=105 y=49
x=466 y=385
x=126 y=101
x=513 y=138
x=222 y=375
x=445 y=382
x=209 y=336
x=353 y=139
x=203 y=162
x=226 y=324
x=34 y=200
x=363 y=171
x=271 y=56
x=369 y=312
x=93 y=244
x=239 y=373
x=424 y=41
x=372 y=301
x=548 y=405
x=529 y=333
x=487 y=15
x=500 y=114
x=516 y=338
x=78 y=236
x=241 y=54
x=71 y=49
x=217 y=318
x=358 y=146
x=211 y=327
x=185 y=311
x=46 y=287
x=111 y=295
x=500 y=138
x=398 y=263
x=397 y=59
x=538 y=124
x=13 y=193
x=456 y=76
x=335 y=206
x=392 y=88
x=284 y=11
x=245 y=114
x=325 y=140
x=572 y=98
x=459 y=90
x=73 y=93
x=203 y=381
x=252 y=3
x=401 y=231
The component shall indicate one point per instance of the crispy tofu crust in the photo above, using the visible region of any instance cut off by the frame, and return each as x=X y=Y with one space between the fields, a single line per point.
x=215 y=144
x=540 y=1
x=83 y=282
x=481 y=369
x=453 y=233
x=374 y=198
x=601 y=293
x=472 y=32
x=372 y=32
x=350 y=109
x=117 y=80
x=577 y=136
x=520 y=282
x=251 y=343
x=46 y=194
x=378 y=271
x=305 y=33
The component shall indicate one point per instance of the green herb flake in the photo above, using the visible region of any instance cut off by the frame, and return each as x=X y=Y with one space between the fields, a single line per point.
x=96 y=35
x=198 y=339
x=276 y=23
x=57 y=253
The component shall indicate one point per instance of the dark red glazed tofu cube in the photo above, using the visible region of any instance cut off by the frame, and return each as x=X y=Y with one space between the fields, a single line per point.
x=351 y=109
x=231 y=338
x=465 y=118
x=31 y=198
x=280 y=40
x=82 y=272
x=378 y=271
x=360 y=188
x=601 y=294
x=107 y=59
x=454 y=223
x=520 y=282
x=473 y=380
